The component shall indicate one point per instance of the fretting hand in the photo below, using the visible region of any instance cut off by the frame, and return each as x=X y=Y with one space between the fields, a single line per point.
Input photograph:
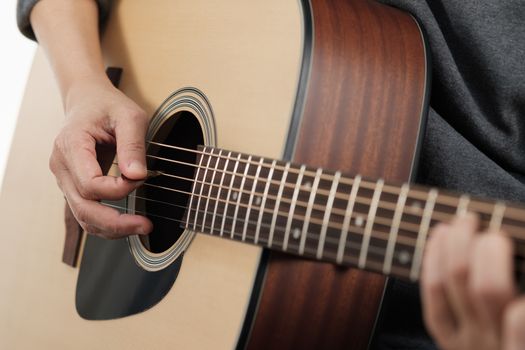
x=469 y=296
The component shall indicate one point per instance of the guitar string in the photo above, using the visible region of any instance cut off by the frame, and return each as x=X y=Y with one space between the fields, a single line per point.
x=436 y=215
x=382 y=220
x=515 y=214
x=346 y=258
x=417 y=194
x=348 y=244
x=344 y=180
x=383 y=235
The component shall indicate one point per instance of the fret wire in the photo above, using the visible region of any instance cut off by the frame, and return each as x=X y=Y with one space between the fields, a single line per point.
x=219 y=192
x=327 y=214
x=209 y=190
x=392 y=238
x=351 y=260
x=370 y=223
x=292 y=207
x=306 y=222
x=422 y=236
x=497 y=217
x=252 y=194
x=463 y=204
x=450 y=200
x=277 y=202
x=202 y=186
x=247 y=166
x=263 y=202
x=349 y=244
x=348 y=217
x=229 y=193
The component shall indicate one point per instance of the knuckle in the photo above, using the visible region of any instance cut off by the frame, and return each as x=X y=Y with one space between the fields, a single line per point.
x=112 y=231
x=134 y=146
x=58 y=144
x=135 y=114
x=139 y=113
x=52 y=163
x=84 y=189
x=489 y=292
x=54 y=158
x=82 y=216
x=93 y=230
x=458 y=271
x=84 y=192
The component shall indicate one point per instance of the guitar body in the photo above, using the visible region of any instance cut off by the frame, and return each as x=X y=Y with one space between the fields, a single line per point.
x=340 y=85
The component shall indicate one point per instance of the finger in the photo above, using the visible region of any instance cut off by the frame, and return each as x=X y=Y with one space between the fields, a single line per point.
x=514 y=325
x=85 y=171
x=110 y=223
x=100 y=219
x=437 y=311
x=491 y=281
x=458 y=247
x=130 y=132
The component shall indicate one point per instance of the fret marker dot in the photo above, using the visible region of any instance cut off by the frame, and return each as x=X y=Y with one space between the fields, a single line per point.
x=307 y=185
x=359 y=221
x=258 y=200
x=234 y=196
x=296 y=233
x=403 y=257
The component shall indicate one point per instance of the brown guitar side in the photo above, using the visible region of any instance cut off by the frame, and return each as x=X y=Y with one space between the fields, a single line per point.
x=364 y=113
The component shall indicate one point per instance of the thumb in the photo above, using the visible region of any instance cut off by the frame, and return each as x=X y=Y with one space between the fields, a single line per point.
x=130 y=133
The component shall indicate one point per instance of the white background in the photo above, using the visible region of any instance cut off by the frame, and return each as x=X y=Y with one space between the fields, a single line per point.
x=16 y=55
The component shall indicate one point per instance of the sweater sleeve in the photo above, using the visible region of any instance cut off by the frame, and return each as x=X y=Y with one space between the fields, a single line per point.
x=24 y=7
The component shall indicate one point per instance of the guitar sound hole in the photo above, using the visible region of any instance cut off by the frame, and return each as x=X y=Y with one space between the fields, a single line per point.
x=164 y=198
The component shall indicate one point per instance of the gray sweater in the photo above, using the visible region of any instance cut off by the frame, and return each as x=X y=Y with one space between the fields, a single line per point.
x=24 y=7
x=475 y=137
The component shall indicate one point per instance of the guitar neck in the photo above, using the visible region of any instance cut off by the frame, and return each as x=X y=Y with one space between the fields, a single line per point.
x=325 y=215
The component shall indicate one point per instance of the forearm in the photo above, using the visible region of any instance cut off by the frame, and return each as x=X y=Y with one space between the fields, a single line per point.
x=68 y=32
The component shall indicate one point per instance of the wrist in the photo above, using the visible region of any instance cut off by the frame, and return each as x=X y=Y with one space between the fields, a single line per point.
x=83 y=86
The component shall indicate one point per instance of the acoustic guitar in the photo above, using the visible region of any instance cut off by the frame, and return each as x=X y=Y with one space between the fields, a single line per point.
x=286 y=132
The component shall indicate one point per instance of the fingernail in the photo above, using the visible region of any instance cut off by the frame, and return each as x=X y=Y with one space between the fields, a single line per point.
x=136 y=166
x=140 y=231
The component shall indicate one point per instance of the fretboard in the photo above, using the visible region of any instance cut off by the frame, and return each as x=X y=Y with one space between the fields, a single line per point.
x=325 y=215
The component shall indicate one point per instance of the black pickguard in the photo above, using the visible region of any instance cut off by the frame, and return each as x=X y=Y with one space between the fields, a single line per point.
x=111 y=285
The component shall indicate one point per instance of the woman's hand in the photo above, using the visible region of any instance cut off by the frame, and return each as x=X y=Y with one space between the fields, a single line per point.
x=469 y=295
x=99 y=114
